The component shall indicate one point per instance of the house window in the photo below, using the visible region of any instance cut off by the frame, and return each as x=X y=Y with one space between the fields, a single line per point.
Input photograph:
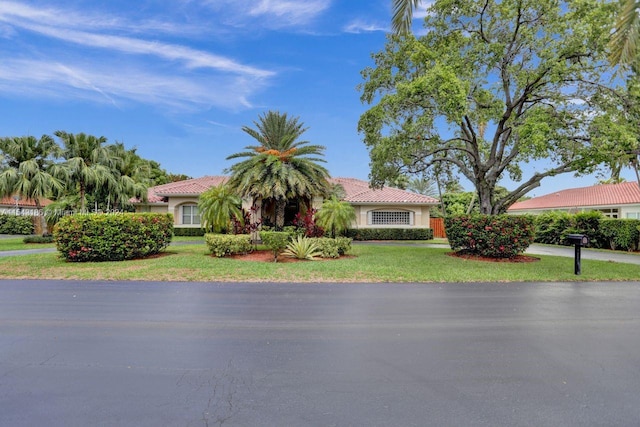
x=610 y=213
x=190 y=215
x=633 y=215
x=391 y=218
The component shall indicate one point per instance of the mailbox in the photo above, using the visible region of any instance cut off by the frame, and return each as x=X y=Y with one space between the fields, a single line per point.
x=578 y=240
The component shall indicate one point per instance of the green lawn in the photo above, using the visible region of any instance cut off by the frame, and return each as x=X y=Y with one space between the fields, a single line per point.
x=368 y=263
x=16 y=244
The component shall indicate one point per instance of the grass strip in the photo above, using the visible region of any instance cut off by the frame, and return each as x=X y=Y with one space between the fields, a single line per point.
x=368 y=263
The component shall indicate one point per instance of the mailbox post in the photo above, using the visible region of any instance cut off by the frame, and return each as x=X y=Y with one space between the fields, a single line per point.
x=578 y=240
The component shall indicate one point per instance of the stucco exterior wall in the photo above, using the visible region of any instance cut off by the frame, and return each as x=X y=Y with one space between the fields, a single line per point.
x=630 y=211
x=175 y=203
x=419 y=216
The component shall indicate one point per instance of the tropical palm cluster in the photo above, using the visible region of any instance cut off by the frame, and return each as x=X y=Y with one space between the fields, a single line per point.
x=282 y=168
x=77 y=171
x=280 y=171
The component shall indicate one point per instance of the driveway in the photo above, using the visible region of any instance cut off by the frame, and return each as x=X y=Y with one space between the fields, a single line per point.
x=586 y=253
x=220 y=354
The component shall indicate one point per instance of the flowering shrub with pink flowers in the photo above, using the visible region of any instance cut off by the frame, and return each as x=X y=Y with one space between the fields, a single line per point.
x=496 y=236
x=112 y=237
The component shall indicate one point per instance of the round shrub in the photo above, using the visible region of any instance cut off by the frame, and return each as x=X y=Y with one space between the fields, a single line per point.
x=495 y=236
x=112 y=237
x=222 y=245
x=332 y=247
x=276 y=241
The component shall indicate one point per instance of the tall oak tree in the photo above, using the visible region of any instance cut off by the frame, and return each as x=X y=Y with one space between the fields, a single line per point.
x=490 y=87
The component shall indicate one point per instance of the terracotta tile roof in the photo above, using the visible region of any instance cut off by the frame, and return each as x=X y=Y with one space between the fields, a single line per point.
x=358 y=191
x=598 y=195
x=188 y=187
x=23 y=203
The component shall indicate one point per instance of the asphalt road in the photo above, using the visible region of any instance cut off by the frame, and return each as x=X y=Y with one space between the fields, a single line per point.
x=196 y=354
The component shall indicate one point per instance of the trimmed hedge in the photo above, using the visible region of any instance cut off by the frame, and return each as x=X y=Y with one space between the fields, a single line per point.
x=390 y=233
x=553 y=228
x=550 y=227
x=38 y=239
x=622 y=234
x=13 y=224
x=222 y=245
x=188 y=231
x=496 y=236
x=332 y=247
x=112 y=237
x=276 y=241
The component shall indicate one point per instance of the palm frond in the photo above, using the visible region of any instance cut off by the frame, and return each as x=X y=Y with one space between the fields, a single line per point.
x=624 y=41
x=403 y=15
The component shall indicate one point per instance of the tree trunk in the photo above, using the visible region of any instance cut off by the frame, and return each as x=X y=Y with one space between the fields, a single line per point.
x=485 y=196
x=43 y=220
x=471 y=203
x=281 y=205
x=82 y=200
x=442 y=206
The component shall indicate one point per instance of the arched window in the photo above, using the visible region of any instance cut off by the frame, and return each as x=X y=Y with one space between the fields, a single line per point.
x=190 y=215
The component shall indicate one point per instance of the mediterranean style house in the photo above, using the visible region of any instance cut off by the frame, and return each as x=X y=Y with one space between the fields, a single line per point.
x=379 y=208
x=613 y=200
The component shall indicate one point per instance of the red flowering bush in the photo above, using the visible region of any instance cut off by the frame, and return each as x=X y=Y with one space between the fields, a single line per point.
x=245 y=226
x=496 y=236
x=306 y=224
x=112 y=237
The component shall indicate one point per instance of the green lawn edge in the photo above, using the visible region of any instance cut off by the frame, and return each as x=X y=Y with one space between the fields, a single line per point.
x=365 y=264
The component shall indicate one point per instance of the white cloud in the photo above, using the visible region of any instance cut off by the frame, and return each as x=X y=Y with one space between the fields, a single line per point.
x=359 y=26
x=192 y=58
x=272 y=13
x=115 y=84
x=421 y=11
x=108 y=59
x=17 y=14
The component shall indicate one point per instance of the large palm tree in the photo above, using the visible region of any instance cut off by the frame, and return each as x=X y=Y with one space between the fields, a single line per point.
x=281 y=168
x=30 y=171
x=626 y=37
x=89 y=162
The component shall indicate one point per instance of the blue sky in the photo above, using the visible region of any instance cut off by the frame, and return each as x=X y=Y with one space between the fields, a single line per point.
x=178 y=79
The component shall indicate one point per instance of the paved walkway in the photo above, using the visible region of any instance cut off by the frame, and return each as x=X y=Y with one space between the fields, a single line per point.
x=569 y=251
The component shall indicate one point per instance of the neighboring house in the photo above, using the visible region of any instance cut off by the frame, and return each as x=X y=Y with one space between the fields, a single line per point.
x=16 y=205
x=386 y=207
x=613 y=200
